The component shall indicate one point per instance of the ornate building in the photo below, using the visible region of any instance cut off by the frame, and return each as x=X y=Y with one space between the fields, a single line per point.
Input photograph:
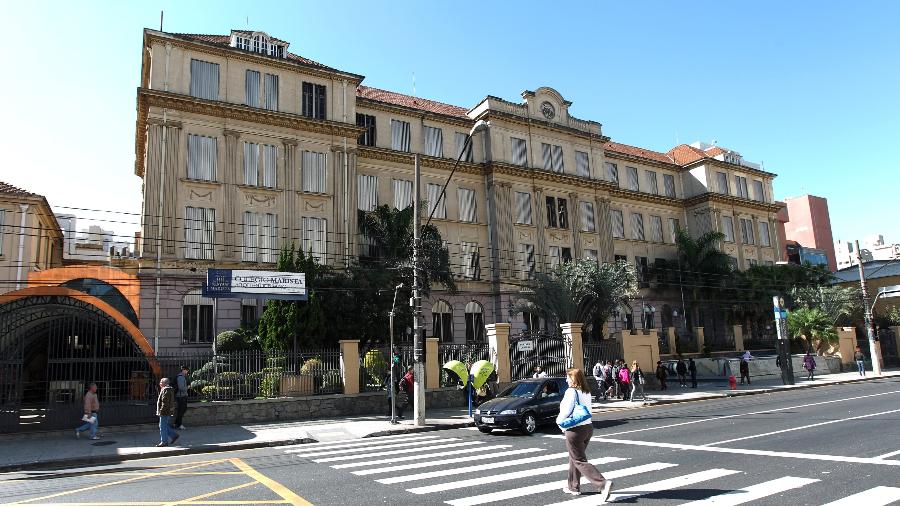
x=245 y=147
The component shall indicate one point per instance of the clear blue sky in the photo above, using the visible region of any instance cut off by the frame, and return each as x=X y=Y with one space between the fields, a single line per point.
x=812 y=89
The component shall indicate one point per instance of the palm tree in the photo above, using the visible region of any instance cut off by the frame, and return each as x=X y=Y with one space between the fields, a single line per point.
x=702 y=266
x=812 y=326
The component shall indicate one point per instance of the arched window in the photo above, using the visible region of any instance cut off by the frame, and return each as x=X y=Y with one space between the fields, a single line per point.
x=196 y=318
x=442 y=321
x=474 y=322
x=532 y=321
x=105 y=292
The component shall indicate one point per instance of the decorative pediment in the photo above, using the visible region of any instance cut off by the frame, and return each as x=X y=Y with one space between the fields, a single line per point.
x=547 y=104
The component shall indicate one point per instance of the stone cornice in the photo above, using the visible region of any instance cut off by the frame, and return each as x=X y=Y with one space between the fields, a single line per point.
x=544 y=175
x=389 y=155
x=730 y=166
x=176 y=101
x=363 y=103
x=646 y=197
x=732 y=201
x=512 y=118
x=645 y=161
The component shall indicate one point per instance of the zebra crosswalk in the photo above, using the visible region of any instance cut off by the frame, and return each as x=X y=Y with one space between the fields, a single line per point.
x=463 y=472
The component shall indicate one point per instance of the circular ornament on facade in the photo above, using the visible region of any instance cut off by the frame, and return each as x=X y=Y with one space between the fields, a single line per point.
x=548 y=110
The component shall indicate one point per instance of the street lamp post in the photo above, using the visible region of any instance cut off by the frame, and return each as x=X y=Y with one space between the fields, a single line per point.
x=393 y=393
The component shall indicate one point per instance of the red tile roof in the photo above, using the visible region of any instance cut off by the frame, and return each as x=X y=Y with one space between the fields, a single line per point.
x=13 y=190
x=714 y=151
x=225 y=40
x=625 y=149
x=684 y=154
x=422 y=104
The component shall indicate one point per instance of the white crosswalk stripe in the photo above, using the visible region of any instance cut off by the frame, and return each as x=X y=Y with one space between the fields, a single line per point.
x=344 y=450
x=423 y=456
x=443 y=462
x=877 y=496
x=388 y=452
x=553 y=485
x=483 y=480
x=351 y=442
x=652 y=488
x=493 y=464
x=754 y=492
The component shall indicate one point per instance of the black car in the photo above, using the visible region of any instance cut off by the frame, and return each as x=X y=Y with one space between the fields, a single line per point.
x=525 y=405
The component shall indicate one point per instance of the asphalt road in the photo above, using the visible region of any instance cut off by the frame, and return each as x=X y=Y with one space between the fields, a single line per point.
x=814 y=446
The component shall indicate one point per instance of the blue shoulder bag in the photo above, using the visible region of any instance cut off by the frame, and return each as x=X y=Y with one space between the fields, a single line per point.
x=580 y=413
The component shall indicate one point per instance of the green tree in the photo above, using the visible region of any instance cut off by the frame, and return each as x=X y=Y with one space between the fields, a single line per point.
x=813 y=327
x=836 y=302
x=702 y=267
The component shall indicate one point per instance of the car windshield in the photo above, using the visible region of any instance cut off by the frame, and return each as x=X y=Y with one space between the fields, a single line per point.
x=521 y=390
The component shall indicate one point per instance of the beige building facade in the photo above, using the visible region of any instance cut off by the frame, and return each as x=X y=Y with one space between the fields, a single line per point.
x=245 y=147
x=30 y=237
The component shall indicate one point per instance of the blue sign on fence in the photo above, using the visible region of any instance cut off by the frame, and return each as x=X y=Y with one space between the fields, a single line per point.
x=233 y=283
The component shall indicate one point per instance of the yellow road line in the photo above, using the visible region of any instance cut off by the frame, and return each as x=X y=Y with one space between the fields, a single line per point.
x=120 y=503
x=273 y=485
x=210 y=494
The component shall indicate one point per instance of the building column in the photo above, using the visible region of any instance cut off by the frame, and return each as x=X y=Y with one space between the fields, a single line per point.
x=606 y=248
x=432 y=367
x=540 y=242
x=572 y=333
x=162 y=169
x=701 y=337
x=738 y=337
x=232 y=177
x=576 y=225
x=290 y=221
x=350 y=365
x=498 y=341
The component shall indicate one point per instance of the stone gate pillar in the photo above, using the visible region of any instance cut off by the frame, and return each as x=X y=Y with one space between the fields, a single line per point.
x=498 y=340
x=572 y=333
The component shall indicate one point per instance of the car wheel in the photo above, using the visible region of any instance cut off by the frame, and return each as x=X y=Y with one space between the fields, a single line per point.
x=529 y=423
x=484 y=429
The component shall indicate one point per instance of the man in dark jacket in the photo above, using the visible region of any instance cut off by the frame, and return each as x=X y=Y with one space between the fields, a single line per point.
x=406 y=384
x=181 y=397
x=692 y=368
x=165 y=410
x=661 y=375
x=681 y=369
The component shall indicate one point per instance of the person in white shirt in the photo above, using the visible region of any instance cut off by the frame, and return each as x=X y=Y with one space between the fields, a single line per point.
x=538 y=373
x=578 y=436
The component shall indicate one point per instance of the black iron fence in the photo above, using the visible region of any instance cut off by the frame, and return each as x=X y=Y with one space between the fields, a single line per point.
x=602 y=351
x=548 y=350
x=374 y=365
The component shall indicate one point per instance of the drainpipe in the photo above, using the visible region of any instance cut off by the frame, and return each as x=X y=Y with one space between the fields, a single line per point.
x=159 y=210
x=24 y=209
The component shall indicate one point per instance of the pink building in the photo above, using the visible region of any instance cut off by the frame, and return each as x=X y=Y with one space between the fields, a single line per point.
x=810 y=225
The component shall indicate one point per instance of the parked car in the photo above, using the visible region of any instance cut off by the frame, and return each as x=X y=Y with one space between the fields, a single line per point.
x=525 y=405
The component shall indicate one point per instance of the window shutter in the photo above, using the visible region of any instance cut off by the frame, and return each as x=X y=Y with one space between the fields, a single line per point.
x=558 y=159
x=434 y=192
x=466 y=204
x=722 y=180
x=399 y=135
x=460 y=142
x=656 y=228
x=764 y=238
x=204 y=80
x=201 y=157
x=523 y=208
x=633 y=183
x=582 y=164
x=547 y=156
x=586 y=210
x=248 y=252
x=434 y=141
x=270 y=238
x=272 y=92
x=403 y=196
x=637 y=226
x=519 y=151
x=669 y=184
x=652 y=186
x=251 y=163
x=251 y=88
x=367 y=192
x=209 y=232
x=313 y=171
x=612 y=172
x=270 y=164
x=728 y=228
x=618 y=223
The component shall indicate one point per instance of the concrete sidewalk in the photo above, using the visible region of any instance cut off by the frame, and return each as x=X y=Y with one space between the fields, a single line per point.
x=62 y=449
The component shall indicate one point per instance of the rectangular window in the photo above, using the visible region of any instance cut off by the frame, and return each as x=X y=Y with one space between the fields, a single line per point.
x=202 y=157
x=612 y=173
x=434 y=142
x=747 y=235
x=272 y=92
x=546 y=156
x=652 y=186
x=249 y=314
x=251 y=163
x=740 y=187
x=526 y=254
x=558 y=159
x=471 y=263
x=557 y=212
x=582 y=164
x=403 y=196
x=633 y=183
x=367 y=121
x=656 y=229
x=269 y=166
x=260 y=237
x=591 y=254
x=642 y=265
x=251 y=88
x=637 y=226
x=466 y=204
x=552 y=157
x=669 y=185
x=759 y=193
x=367 y=192
x=562 y=205
x=313 y=105
x=314 y=234
x=460 y=143
x=313 y=169
x=551 y=212
x=722 y=183
x=523 y=208
x=196 y=320
x=566 y=255
x=555 y=256
x=586 y=212
x=399 y=135
x=728 y=228
x=204 y=80
x=751 y=263
x=764 y=238
x=674 y=226
x=199 y=232
x=519 y=151
x=617 y=221
x=620 y=259
x=437 y=203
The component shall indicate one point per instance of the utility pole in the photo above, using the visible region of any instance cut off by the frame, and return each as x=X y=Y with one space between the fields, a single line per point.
x=783 y=344
x=416 y=303
x=867 y=312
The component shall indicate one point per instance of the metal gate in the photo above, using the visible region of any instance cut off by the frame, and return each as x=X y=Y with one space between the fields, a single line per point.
x=551 y=351
x=888 y=341
x=601 y=351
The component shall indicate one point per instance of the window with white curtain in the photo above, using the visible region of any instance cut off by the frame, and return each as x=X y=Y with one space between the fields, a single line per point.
x=552 y=157
x=434 y=141
x=403 y=193
x=526 y=260
x=269 y=165
x=460 y=142
x=251 y=88
x=312 y=167
x=260 y=237
x=656 y=229
x=251 y=163
x=199 y=232
x=367 y=192
x=633 y=183
x=523 y=208
x=434 y=193
x=202 y=157
x=747 y=233
x=722 y=183
x=314 y=234
x=617 y=220
x=612 y=173
x=474 y=322
x=253 y=176
x=582 y=164
x=740 y=187
x=759 y=194
x=271 y=92
x=588 y=222
x=399 y=135
x=652 y=186
x=204 y=80
x=674 y=225
x=466 y=204
x=519 y=151
x=764 y=238
x=442 y=321
x=471 y=263
x=669 y=185
x=637 y=226
x=728 y=228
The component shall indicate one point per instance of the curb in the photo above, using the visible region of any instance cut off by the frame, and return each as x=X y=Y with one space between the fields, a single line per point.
x=427 y=428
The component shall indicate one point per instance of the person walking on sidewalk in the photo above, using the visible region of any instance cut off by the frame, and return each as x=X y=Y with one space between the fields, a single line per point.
x=745 y=371
x=809 y=363
x=860 y=361
x=165 y=410
x=608 y=382
x=578 y=436
x=661 y=375
x=181 y=397
x=681 y=369
x=625 y=378
x=406 y=385
x=90 y=418
x=692 y=368
x=637 y=381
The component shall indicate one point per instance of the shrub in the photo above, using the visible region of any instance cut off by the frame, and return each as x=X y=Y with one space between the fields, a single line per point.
x=209 y=369
x=270 y=386
x=312 y=366
x=208 y=391
x=198 y=385
x=229 y=378
x=376 y=366
x=276 y=361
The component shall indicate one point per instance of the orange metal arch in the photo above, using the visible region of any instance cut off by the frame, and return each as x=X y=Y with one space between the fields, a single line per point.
x=136 y=334
x=128 y=284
